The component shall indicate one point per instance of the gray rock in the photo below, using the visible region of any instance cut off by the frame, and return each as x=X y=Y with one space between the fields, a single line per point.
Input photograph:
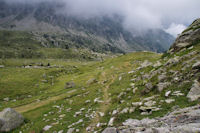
x=6 y=99
x=47 y=127
x=194 y=92
x=167 y=93
x=2 y=66
x=111 y=121
x=10 y=119
x=169 y=100
x=71 y=130
x=150 y=103
x=186 y=120
x=110 y=130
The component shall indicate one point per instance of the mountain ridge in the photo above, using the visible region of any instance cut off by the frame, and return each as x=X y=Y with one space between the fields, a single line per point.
x=103 y=30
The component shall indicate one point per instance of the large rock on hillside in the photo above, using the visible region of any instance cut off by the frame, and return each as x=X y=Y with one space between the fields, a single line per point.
x=194 y=93
x=110 y=130
x=9 y=120
x=190 y=36
x=186 y=120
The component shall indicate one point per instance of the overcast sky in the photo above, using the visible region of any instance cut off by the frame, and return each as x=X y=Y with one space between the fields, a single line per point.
x=171 y=15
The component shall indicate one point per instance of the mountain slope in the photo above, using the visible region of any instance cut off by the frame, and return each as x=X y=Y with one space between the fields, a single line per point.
x=104 y=31
x=136 y=92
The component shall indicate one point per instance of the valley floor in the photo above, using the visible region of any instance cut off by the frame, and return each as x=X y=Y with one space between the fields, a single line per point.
x=58 y=95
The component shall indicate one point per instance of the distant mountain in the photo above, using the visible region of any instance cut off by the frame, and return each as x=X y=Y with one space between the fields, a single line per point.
x=99 y=34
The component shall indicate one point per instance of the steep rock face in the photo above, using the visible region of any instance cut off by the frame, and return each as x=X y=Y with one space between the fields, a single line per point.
x=189 y=37
x=105 y=30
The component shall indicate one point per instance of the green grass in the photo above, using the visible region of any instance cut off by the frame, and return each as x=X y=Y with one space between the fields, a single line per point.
x=17 y=83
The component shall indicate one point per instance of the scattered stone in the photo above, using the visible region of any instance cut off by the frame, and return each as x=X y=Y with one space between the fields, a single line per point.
x=115 y=112
x=87 y=101
x=177 y=93
x=47 y=127
x=167 y=93
x=150 y=103
x=120 y=78
x=136 y=104
x=10 y=119
x=131 y=110
x=61 y=116
x=2 y=66
x=6 y=99
x=101 y=114
x=134 y=90
x=111 y=121
x=71 y=130
x=169 y=100
x=45 y=81
x=194 y=93
x=124 y=111
x=61 y=131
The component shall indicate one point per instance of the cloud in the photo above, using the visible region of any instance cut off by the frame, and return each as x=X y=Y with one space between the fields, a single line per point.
x=175 y=29
x=138 y=14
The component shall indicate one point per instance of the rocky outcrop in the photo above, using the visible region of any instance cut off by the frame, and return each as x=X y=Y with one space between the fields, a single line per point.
x=185 y=120
x=190 y=36
x=9 y=120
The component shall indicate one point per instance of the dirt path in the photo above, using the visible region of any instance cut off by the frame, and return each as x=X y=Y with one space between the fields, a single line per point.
x=106 y=101
x=34 y=105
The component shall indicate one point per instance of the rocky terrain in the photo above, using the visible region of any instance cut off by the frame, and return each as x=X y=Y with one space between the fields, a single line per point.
x=136 y=92
x=185 y=120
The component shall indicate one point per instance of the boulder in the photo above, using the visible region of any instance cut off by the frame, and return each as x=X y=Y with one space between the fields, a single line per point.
x=10 y=119
x=184 y=120
x=110 y=130
x=194 y=92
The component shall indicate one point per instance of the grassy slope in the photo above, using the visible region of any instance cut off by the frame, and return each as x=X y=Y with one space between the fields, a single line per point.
x=19 y=44
x=17 y=83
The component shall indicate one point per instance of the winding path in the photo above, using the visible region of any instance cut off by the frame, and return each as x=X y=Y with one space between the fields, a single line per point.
x=106 y=101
